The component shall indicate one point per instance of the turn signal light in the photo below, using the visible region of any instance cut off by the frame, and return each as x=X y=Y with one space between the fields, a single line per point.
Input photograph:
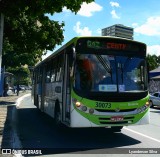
x=147 y=104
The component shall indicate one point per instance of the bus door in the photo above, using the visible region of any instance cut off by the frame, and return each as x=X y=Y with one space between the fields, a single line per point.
x=43 y=88
x=35 y=88
x=39 y=88
x=66 y=91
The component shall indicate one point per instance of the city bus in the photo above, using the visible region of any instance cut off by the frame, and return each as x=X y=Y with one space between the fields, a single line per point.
x=94 y=82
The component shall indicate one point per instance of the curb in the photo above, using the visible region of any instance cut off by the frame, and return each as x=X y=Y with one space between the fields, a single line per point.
x=19 y=100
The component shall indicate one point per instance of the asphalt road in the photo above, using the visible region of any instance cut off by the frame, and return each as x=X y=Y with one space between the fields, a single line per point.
x=38 y=131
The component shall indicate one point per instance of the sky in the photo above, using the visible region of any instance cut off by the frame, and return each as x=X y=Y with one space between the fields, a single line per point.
x=142 y=15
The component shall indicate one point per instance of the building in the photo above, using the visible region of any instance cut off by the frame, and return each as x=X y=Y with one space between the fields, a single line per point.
x=6 y=81
x=154 y=83
x=118 y=30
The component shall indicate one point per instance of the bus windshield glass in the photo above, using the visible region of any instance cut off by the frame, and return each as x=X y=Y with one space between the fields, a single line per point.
x=110 y=73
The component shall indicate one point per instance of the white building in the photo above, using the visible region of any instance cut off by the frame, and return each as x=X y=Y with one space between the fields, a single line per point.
x=118 y=30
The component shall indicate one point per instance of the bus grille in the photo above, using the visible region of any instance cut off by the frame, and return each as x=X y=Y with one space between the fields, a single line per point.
x=123 y=122
x=126 y=120
x=122 y=110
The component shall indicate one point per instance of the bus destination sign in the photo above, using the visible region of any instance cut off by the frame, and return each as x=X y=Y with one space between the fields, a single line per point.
x=112 y=45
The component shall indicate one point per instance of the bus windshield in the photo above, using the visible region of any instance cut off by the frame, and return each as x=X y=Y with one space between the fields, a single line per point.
x=110 y=73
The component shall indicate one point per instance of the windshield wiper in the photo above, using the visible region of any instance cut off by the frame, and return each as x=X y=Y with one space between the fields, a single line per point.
x=104 y=63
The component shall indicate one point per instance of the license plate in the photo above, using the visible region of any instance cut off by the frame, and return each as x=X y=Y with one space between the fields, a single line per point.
x=117 y=118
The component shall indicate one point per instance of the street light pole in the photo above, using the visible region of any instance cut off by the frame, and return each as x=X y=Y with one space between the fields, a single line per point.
x=1 y=39
x=1 y=45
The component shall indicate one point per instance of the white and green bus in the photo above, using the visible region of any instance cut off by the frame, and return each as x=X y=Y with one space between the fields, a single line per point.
x=94 y=82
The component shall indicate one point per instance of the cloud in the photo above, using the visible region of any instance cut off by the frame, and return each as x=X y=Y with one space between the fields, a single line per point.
x=113 y=12
x=134 y=25
x=153 y=50
x=114 y=4
x=82 y=31
x=89 y=9
x=98 y=31
x=114 y=15
x=151 y=27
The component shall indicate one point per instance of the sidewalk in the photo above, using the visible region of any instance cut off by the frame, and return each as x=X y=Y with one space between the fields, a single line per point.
x=7 y=119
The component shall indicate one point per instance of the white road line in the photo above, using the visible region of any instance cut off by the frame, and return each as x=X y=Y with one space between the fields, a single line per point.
x=142 y=134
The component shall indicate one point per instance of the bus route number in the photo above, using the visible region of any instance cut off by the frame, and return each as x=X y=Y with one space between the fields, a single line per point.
x=93 y=44
x=103 y=105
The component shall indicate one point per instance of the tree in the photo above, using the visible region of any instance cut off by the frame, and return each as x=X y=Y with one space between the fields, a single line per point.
x=153 y=61
x=28 y=32
x=26 y=39
x=21 y=75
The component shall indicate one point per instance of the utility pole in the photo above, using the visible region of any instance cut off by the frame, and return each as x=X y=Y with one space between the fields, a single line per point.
x=1 y=45
x=1 y=39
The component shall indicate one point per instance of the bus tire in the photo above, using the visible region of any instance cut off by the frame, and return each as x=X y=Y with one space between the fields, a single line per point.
x=116 y=128
x=58 y=116
x=151 y=104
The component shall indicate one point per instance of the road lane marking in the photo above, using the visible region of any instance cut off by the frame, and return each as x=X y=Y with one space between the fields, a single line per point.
x=142 y=134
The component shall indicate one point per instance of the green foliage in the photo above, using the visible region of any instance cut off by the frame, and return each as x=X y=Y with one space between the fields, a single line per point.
x=153 y=61
x=28 y=32
x=21 y=74
x=39 y=7
x=27 y=38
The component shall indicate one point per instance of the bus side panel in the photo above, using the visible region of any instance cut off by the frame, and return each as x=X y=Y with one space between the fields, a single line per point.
x=38 y=95
x=49 y=102
x=34 y=88
x=51 y=97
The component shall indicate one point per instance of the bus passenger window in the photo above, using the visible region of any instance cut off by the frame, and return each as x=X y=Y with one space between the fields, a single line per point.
x=59 y=70
x=53 y=75
x=48 y=79
x=48 y=72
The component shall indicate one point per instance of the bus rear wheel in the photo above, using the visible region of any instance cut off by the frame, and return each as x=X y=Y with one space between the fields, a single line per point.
x=116 y=128
x=58 y=122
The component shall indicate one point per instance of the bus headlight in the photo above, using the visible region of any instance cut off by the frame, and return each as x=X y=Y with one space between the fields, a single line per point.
x=141 y=109
x=147 y=104
x=91 y=110
x=78 y=104
x=84 y=108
